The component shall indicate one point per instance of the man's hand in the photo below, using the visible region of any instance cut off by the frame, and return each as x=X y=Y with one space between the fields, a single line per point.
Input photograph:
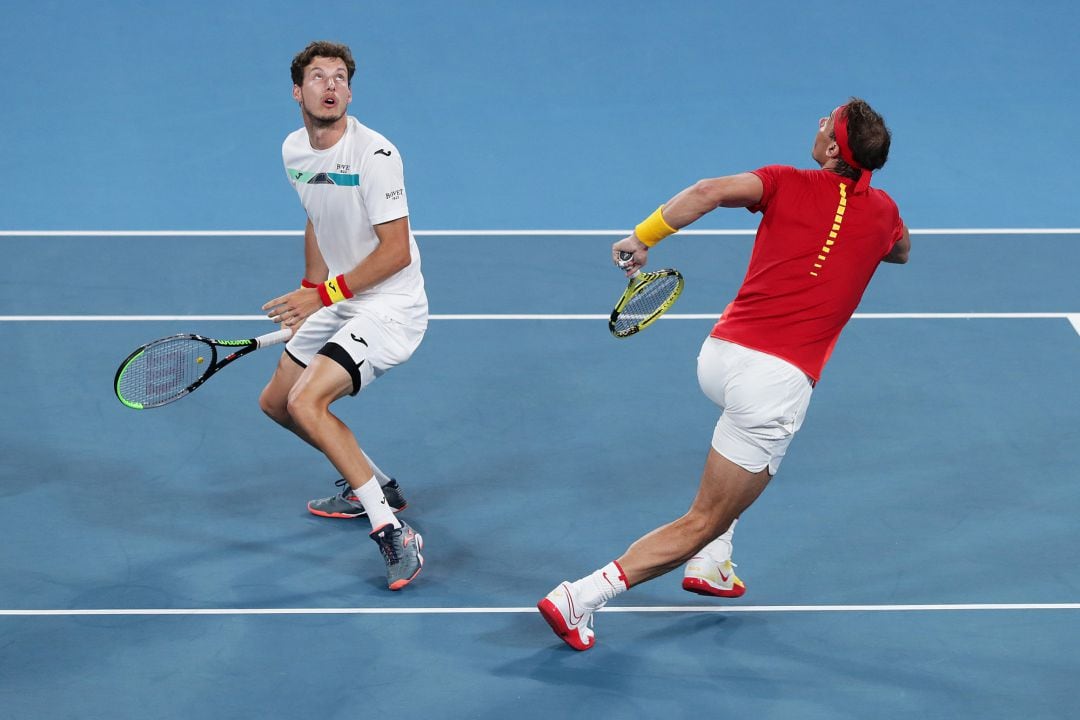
x=292 y=309
x=632 y=245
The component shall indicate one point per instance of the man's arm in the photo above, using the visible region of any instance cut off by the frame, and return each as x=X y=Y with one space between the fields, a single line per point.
x=315 y=268
x=900 y=251
x=704 y=196
x=391 y=256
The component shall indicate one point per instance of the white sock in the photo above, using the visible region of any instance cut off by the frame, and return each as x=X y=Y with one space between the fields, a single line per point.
x=371 y=497
x=382 y=477
x=720 y=548
x=595 y=590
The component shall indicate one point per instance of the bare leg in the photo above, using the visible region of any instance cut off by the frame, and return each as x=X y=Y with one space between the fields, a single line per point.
x=307 y=413
x=726 y=490
x=274 y=401
x=308 y=407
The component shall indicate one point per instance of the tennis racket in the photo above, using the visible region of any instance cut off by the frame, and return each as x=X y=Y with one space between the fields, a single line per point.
x=169 y=368
x=647 y=297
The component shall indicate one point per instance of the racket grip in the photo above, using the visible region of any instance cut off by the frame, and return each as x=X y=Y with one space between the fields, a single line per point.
x=275 y=338
x=624 y=257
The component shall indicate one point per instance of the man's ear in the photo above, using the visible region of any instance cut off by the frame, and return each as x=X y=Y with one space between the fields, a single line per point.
x=296 y=93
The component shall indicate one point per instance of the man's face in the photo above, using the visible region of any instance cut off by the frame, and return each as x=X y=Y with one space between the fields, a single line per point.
x=825 y=147
x=325 y=94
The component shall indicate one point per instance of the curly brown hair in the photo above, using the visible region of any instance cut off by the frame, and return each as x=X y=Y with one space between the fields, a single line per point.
x=868 y=137
x=321 y=48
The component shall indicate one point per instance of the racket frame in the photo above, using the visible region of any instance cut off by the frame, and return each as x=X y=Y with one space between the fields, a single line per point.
x=638 y=282
x=242 y=347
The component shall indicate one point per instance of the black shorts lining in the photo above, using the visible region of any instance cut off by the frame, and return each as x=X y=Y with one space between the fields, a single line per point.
x=339 y=355
x=295 y=359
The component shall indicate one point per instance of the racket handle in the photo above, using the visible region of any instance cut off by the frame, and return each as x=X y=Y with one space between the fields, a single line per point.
x=625 y=257
x=274 y=338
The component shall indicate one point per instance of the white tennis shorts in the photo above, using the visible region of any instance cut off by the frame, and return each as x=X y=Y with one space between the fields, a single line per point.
x=763 y=399
x=365 y=336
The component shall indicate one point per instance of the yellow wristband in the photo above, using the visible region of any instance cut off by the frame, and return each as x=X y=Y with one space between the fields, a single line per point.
x=654 y=228
x=333 y=291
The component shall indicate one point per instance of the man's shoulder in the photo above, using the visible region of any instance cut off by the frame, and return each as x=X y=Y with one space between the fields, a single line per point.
x=882 y=194
x=296 y=142
x=774 y=176
x=367 y=137
x=777 y=172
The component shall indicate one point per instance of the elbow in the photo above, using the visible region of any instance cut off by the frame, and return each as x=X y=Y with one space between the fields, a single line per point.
x=402 y=259
x=708 y=194
x=905 y=251
x=897 y=258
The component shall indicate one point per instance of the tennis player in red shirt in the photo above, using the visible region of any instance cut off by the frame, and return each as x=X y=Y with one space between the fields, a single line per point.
x=822 y=235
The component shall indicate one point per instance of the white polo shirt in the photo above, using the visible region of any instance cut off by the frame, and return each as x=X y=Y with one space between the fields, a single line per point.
x=348 y=189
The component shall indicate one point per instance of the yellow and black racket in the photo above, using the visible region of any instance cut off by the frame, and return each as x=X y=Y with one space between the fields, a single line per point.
x=167 y=369
x=647 y=297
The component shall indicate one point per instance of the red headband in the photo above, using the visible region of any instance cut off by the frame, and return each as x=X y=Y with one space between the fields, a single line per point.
x=840 y=130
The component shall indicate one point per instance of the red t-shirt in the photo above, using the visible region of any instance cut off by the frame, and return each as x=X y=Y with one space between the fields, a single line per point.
x=816 y=249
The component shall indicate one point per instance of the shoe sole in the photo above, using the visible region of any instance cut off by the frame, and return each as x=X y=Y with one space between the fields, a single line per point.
x=348 y=516
x=702 y=587
x=398 y=584
x=554 y=618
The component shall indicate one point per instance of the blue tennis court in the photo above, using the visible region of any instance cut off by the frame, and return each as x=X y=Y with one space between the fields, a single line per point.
x=916 y=555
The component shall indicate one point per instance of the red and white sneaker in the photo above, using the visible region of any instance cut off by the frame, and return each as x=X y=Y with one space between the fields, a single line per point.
x=705 y=576
x=570 y=620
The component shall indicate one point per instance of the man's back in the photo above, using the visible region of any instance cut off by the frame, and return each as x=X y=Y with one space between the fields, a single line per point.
x=816 y=249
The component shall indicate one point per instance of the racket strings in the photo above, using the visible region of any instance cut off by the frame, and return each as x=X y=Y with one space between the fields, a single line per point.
x=164 y=370
x=651 y=297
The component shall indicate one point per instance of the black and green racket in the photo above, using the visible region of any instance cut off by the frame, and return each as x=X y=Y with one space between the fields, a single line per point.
x=647 y=297
x=169 y=368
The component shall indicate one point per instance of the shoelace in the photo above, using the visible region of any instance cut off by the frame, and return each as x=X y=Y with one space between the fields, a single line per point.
x=347 y=493
x=389 y=546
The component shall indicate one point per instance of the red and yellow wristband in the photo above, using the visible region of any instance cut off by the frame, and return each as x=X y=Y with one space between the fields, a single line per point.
x=332 y=291
x=654 y=228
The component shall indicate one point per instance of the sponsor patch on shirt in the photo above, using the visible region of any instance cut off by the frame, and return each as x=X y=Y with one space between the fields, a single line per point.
x=323 y=178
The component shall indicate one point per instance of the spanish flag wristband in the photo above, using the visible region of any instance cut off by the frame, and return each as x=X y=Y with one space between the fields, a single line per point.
x=334 y=290
x=654 y=228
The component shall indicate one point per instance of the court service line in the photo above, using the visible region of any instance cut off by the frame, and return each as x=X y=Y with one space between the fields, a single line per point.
x=1074 y=318
x=967 y=607
x=493 y=233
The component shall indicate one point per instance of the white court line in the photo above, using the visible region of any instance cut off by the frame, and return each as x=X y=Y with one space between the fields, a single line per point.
x=505 y=610
x=1075 y=320
x=490 y=233
x=1072 y=317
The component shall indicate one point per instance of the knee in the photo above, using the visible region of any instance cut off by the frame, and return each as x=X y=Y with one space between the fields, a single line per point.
x=274 y=407
x=304 y=409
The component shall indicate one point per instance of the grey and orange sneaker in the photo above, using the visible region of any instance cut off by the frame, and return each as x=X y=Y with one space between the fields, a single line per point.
x=400 y=547
x=345 y=504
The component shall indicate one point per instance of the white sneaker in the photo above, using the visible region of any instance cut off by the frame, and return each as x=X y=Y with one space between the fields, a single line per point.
x=568 y=617
x=706 y=576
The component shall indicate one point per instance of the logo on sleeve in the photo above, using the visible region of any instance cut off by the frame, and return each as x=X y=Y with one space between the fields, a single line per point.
x=382 y=151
